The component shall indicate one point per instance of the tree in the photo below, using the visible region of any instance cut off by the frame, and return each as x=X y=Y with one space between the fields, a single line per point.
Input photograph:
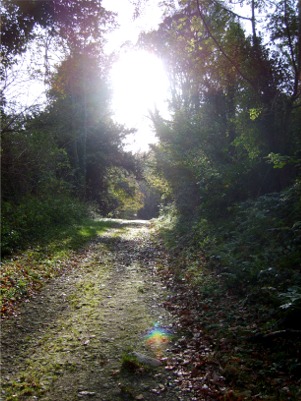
x=125 y=196
x=77 y=116
x=79 y=23
x=53 y=27
x=227 y=106
x=32 y=163
x=61 y=153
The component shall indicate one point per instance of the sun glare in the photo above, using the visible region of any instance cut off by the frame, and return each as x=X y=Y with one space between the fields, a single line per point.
x=140 y=84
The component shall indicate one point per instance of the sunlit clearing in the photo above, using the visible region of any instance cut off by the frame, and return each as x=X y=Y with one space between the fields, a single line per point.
x=140 y=84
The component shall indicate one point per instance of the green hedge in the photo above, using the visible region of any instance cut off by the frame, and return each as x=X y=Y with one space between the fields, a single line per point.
x=34 y=219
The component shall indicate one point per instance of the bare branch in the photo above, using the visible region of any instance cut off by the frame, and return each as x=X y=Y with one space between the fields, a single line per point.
x=220 y=48
x=291 y=50
x=232 y=12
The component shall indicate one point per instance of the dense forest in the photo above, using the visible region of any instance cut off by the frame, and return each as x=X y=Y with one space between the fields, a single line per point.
x=230 y=154
x=225 y=173
x=57 y=159
x=230 y=160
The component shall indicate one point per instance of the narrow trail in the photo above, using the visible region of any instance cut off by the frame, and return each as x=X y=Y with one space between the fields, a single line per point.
x=72 y=340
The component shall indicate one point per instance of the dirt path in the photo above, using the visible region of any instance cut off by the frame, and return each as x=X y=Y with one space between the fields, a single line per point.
x=73 y=341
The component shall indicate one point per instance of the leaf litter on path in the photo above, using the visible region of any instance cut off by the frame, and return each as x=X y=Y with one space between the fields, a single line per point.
x=70 y=341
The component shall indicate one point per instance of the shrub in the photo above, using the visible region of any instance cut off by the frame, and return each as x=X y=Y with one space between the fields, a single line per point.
x=36 y=218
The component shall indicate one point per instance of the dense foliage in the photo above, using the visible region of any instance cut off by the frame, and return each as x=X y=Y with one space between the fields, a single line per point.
x=229 y=156
x=77 y=24
x=231 y=150
x=226 y=172
x=69 y=152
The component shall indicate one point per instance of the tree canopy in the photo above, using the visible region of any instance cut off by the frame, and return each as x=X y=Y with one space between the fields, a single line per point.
x=224 y=176
x=230 y=150
x=235 y=101
x=79 y=23
x=70 y=148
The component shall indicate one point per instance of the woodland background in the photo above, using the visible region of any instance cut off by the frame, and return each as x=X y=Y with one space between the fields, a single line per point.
x=224 y=178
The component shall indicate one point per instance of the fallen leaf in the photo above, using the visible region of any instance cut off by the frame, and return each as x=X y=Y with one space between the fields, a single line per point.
x=84 y=393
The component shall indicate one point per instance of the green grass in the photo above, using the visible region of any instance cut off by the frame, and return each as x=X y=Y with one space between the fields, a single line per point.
x=56 y=251
x=72 y=237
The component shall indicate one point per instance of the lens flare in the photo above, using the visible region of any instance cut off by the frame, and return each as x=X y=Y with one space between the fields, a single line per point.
x=157 y=339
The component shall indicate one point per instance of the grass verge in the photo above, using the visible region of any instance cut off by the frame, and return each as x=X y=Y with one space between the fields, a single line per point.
x=27 y=271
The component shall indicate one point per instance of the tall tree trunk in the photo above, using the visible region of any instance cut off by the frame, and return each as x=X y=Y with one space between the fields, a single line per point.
x=299 y=50
x=84 y=137
x=253 y=21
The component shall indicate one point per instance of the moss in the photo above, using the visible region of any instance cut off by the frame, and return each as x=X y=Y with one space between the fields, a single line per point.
x=130 y=363
x=101 y=311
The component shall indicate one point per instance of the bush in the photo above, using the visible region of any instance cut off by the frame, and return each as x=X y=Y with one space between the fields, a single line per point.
x=255 y=249
x=261 y=245
x=36 y=218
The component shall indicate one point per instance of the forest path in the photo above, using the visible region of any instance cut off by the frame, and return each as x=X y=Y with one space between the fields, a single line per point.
x=69 y=341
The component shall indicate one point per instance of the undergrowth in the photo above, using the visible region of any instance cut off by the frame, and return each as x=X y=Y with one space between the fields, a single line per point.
x=255 y=250
x=37 y=219
x=49 y=255
x=243 y=276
